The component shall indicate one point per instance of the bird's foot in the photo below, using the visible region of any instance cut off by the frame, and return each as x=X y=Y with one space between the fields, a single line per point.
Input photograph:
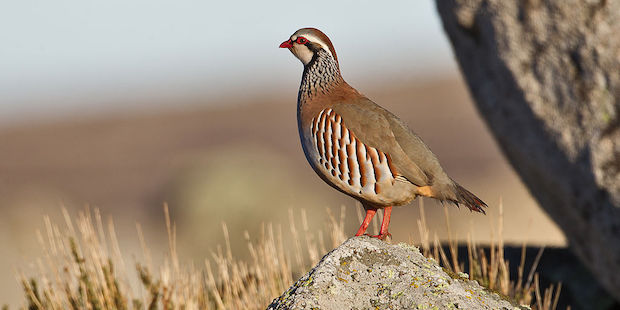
x=381 y=236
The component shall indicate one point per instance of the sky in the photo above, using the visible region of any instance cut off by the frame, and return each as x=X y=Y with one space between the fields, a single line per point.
x=88 y=56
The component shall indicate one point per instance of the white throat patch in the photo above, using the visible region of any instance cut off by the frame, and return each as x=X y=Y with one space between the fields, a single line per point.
x=302 y=52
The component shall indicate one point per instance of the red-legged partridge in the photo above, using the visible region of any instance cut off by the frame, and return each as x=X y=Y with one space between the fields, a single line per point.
x=358 y=147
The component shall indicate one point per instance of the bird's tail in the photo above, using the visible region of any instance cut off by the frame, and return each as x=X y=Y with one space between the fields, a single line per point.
x=468 y=199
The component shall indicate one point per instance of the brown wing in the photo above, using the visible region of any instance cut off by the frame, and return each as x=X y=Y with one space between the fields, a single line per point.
x=381 y=129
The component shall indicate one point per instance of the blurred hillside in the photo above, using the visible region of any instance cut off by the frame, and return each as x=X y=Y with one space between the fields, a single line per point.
x=237 y=161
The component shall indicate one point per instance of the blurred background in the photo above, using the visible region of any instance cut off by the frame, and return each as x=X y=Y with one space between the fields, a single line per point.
x=125 y=105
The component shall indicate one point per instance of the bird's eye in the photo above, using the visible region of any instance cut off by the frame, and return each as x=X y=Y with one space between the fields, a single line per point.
x=301 y=40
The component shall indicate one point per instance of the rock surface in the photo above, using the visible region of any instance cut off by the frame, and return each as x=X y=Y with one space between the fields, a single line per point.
x=544 y=75
x=366 y=273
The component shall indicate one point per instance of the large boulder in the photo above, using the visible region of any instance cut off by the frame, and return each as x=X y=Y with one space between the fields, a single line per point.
x=366 y=273
x=545 y=77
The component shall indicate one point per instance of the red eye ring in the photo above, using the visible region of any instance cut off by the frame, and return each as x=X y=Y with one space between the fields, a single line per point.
x=301 y=40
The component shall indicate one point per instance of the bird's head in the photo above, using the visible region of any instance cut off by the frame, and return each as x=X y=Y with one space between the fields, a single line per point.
x=305 y=43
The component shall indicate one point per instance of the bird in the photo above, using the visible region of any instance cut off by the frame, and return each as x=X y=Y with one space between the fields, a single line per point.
x=360 y=148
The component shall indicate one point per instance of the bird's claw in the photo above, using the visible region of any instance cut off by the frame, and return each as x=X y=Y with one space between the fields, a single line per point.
x=382 y=236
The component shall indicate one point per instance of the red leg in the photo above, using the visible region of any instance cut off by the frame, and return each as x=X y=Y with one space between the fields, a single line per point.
x=369 y=214
x=383 y=233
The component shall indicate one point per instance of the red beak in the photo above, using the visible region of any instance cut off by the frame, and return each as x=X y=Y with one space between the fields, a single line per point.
x=287 y=44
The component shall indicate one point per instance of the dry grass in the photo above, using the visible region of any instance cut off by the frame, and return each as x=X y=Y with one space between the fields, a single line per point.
x=491 y=269
x=83 y=268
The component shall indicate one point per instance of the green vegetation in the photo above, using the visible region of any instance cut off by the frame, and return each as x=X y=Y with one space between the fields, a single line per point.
x=82 y=268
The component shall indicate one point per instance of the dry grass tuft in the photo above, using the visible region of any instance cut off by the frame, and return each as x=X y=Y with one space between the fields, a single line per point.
x=82 y=268
x=490 y=269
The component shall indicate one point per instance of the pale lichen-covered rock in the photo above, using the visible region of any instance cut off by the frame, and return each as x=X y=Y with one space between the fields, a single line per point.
x=366 y=273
